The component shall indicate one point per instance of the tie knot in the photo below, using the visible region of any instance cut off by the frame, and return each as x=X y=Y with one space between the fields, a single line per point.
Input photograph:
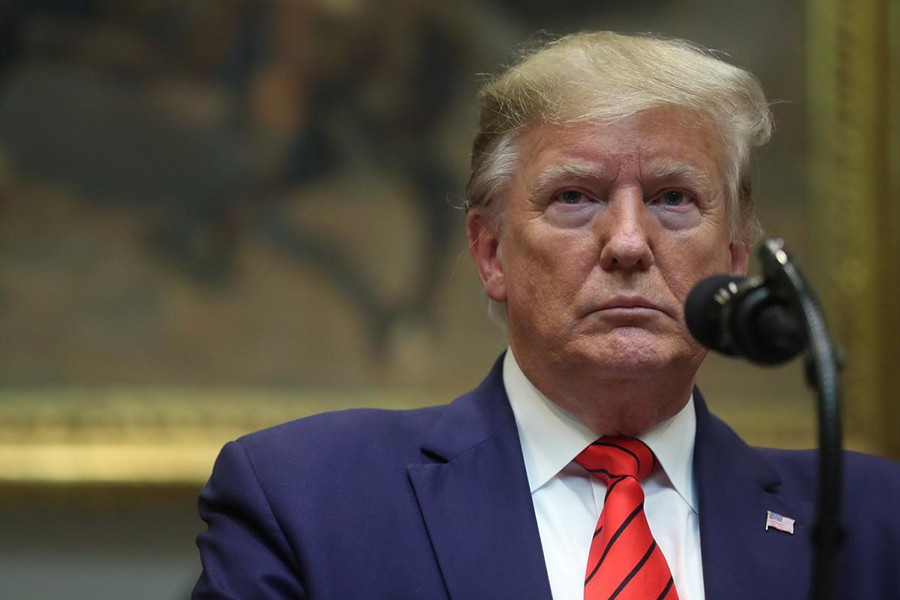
x=612 y=457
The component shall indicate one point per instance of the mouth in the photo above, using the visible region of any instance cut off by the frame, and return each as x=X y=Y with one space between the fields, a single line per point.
x=629 y=305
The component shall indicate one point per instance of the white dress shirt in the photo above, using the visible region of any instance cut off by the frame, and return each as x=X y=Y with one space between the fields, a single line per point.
x=568 y=500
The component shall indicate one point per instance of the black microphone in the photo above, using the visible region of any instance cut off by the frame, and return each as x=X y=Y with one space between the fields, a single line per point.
x=744 y=317
x=769 y=320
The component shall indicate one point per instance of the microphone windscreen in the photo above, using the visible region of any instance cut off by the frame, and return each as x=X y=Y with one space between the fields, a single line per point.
x=703 y=312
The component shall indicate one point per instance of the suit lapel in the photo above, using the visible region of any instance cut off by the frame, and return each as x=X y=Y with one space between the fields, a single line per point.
x=475 y=500
x=736 y=487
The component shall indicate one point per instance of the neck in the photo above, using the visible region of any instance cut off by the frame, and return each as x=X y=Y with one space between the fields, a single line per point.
x=613 y=405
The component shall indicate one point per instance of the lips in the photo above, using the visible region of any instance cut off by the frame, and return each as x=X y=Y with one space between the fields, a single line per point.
x=629 y=303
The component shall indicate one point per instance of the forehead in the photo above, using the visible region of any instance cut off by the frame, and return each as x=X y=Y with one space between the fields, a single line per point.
x=658 y=143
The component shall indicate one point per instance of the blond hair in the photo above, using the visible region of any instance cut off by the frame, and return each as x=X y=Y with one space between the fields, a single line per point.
x=604 y=76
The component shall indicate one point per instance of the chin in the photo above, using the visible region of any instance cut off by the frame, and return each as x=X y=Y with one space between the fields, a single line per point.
x=633 y=354
x=630 y=367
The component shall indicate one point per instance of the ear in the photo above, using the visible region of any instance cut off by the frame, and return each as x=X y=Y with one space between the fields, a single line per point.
x=740 y=258
x=484 y=244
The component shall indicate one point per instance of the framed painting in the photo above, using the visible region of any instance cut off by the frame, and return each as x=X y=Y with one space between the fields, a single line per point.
x=218 y=216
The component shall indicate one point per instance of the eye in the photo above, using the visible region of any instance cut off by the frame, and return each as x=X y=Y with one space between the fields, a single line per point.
x=571 y=197
x=674 y=198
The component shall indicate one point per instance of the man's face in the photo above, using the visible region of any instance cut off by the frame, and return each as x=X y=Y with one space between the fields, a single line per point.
x=606 y=228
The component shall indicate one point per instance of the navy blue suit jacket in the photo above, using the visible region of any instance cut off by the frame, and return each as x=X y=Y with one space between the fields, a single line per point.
x=435 y=503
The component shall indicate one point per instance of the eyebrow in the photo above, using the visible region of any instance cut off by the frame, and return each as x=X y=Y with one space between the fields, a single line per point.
x=680 y=171
x=568 y=171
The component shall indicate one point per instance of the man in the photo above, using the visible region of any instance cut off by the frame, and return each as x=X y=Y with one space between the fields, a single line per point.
x=609 y=176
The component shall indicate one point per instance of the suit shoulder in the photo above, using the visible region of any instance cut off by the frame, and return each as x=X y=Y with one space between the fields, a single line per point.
x=358 y=431
x=863 y=473
x=866 y=464
x=874 y=474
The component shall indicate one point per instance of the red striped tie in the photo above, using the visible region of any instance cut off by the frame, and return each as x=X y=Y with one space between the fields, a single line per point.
x=624 y=561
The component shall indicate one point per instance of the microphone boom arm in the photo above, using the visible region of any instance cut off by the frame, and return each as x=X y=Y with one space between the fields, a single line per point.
x=823 y=368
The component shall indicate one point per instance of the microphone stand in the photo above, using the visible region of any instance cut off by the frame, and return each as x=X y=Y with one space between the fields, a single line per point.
x=823 y=375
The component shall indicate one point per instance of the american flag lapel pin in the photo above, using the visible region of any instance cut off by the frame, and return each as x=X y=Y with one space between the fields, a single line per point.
x=779 y=522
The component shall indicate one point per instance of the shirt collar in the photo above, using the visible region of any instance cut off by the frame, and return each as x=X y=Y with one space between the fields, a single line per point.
x=551 y=437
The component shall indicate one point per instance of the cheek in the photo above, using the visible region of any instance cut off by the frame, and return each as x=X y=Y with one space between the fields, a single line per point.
x=690 y=263
x=549 y=270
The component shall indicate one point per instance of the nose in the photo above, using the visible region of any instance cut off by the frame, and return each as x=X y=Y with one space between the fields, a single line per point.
x=624 y=234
